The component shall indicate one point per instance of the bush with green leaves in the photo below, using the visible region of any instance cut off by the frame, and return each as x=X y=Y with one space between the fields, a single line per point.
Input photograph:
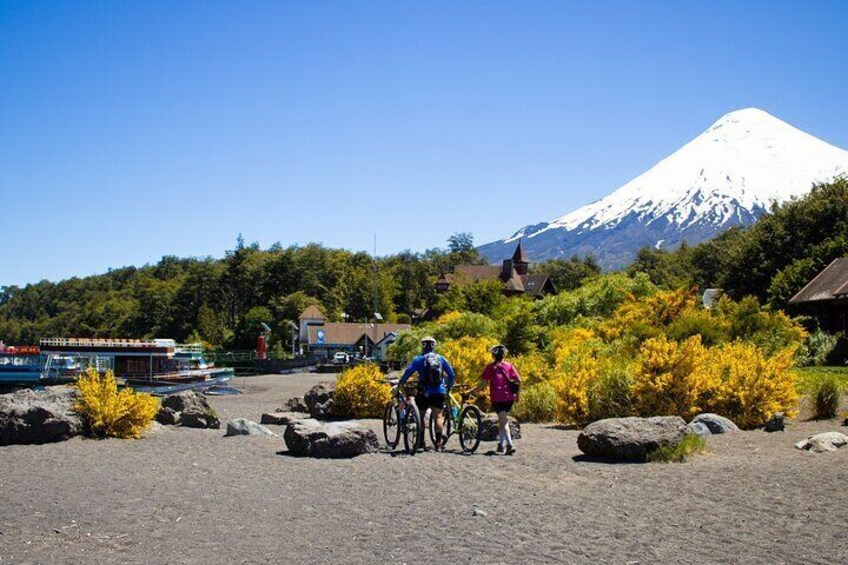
x=826 y=394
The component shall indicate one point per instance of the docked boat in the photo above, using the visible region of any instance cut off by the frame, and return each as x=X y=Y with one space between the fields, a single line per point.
x=138 y=363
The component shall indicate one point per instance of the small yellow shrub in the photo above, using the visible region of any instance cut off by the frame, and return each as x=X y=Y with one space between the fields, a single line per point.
x=753 y=386
x=672 y=378
x=361 y=392
x=109 y=412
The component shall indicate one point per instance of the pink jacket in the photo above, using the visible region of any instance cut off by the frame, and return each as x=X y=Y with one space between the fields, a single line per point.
x=499 y=375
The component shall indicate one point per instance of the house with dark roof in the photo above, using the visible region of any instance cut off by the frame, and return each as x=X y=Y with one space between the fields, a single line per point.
x=826 y=297
x=321 y=338
x=512 y=273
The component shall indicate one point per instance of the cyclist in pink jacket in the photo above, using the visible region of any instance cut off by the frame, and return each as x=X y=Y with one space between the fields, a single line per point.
x=504 y=383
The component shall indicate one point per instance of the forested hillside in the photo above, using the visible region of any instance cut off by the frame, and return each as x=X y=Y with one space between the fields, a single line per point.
x=222 y=301
x=771 y=260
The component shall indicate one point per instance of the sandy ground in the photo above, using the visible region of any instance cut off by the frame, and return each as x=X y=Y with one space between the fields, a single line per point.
x=193 y=496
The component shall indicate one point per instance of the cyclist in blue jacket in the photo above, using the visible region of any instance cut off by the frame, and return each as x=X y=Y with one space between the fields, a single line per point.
x=435 y=379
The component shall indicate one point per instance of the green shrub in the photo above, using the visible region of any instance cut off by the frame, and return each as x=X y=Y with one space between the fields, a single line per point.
x=818 y=349
x=691 y=444
x=826 y=395
x=537 y=403
x=609 y=394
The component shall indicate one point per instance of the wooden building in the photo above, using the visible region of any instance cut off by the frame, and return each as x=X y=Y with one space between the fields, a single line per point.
x=512 y=273
x=826 y=297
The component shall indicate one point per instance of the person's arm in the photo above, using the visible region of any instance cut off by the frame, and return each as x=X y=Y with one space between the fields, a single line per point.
x=413 y=367
x=513 y=373
x=484 y=378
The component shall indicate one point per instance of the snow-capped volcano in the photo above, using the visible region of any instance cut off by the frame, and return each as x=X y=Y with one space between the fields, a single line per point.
x=727 y=176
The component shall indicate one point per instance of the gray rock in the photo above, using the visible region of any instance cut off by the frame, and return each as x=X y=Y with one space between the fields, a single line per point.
x=282 y=418
x=478 y=512
x=775 y=423
x=295 y=404
x=827 y=441
x=243 y=427
x=44 y=416
x=188 y=408
x=489 y=429
x=319 y=400
x=699 y=428
x=716 y=424
x=334 y=440
x=630 y=439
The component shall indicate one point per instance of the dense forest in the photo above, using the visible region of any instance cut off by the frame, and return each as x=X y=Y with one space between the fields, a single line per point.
x=223 y=301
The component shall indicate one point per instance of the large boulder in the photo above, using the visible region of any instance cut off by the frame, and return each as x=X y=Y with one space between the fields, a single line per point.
x=630 y=439
x=716 y=424
x=43 y=416
x=489 y=429
x=334 y=440
x=319 y=400
x=827 y=441
x=282 y=418
x=188 y=408
x=244 y=427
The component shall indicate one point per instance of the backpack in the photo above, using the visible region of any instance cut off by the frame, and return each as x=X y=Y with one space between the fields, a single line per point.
x=431 y=375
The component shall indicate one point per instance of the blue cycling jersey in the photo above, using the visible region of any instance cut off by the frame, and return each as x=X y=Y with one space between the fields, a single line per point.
x=417 y=366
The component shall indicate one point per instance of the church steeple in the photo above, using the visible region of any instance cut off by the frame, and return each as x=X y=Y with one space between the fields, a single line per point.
x=519 y=259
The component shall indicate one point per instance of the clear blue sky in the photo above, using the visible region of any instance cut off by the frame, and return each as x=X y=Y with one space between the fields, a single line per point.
x=131 y=130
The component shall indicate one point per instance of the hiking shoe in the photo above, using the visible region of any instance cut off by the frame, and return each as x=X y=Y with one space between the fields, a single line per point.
x=509 y=450
x=499 y=449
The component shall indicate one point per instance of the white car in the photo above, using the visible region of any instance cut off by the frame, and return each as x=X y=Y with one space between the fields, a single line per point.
x=340 y=358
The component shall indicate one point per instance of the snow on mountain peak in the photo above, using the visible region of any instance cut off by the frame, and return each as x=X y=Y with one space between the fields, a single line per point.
x=727 y=175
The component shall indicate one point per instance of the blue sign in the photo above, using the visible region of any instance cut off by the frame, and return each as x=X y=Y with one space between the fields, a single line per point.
x=320 y=337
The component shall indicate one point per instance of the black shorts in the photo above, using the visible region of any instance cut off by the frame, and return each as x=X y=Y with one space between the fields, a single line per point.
x=433 y=401
x=502 y=406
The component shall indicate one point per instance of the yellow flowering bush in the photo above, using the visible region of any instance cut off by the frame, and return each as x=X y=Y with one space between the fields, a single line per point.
x=533 y=368
x=109 y=412
x=469 y=356
x=646 y=316
x=567 y=342
x=672 y=378
x=361 y=392
x=752 y=386
x=571 y=386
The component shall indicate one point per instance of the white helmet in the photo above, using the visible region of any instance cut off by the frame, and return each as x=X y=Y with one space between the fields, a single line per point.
x=429 y=340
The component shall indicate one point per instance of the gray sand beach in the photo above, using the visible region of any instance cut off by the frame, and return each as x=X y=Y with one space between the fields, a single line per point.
x=192 y=496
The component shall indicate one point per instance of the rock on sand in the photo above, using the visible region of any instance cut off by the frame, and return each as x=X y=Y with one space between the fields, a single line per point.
x=243 y=427
x=319 y=400
x=630 y=439
x=42 y=416
x=819 y=443
x=311 y=438
x=716 y=424
x=187 y=408
x=489 y=429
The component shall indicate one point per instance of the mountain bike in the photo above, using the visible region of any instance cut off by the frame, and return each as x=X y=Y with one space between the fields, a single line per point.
x=462 y=419
x=402 y=419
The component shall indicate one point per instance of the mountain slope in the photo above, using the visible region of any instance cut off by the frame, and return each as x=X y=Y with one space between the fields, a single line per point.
x=727 y=176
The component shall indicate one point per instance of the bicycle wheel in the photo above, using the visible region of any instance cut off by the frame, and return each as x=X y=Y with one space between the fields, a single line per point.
x=447 y=427
x=470 y=427
x=391 y=425
x=411 y=428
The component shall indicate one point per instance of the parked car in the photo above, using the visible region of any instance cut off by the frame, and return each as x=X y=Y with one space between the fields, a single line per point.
x=341 y=358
